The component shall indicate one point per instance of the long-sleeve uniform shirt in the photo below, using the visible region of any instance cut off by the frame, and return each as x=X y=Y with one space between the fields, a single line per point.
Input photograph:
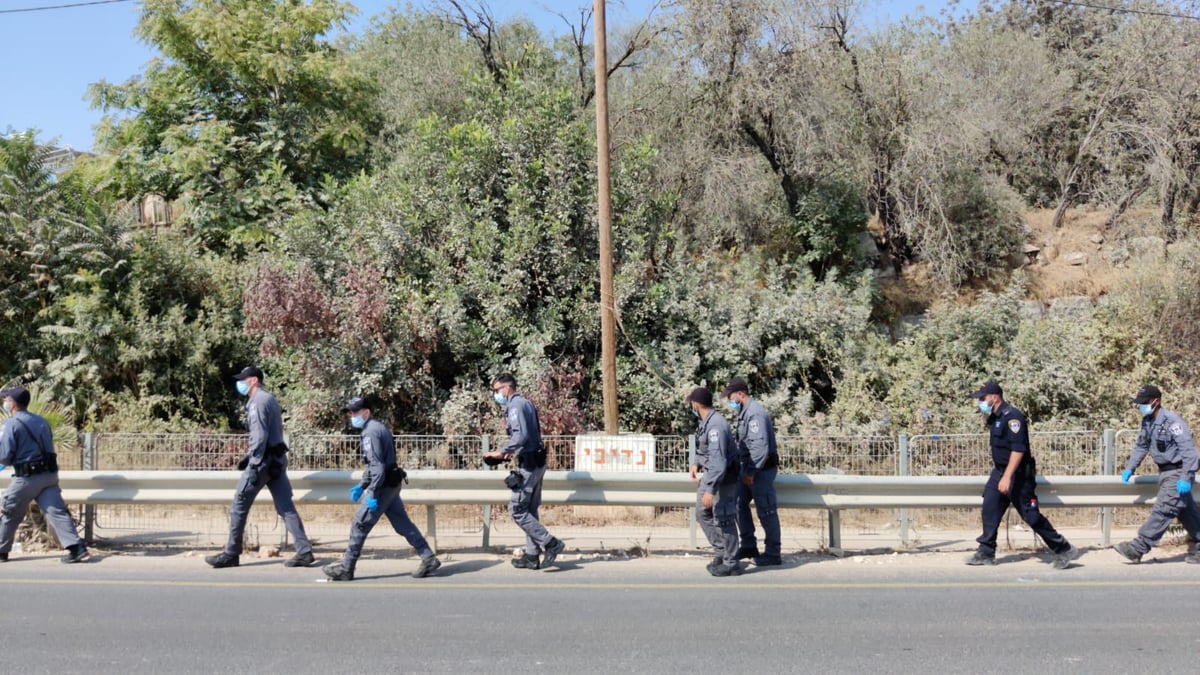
x=379 y=453
x=714 y=451
x=756 y=438
x=524 y=431
x=264 y=419
x=1168 y=441
x=24 y=438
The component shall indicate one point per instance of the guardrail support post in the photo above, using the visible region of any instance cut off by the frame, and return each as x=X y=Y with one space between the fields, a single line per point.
x=89 y=464
x=1109 y=468
x=487 y=525
x=902 y=469
x=431 y=525
x=835 y=528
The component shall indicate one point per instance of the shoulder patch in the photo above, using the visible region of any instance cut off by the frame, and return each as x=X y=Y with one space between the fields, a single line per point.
x=1176 y=429
x=712 y=436
x=754 y=426
x=1014 y=426
x=512 y=414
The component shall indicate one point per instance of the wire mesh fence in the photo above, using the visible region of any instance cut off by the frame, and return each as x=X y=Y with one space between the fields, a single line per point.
x=1057 y=453
x=855 y=455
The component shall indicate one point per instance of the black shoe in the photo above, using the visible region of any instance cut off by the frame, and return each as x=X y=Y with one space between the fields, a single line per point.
x=222 y=560
x=766 y=560
x=3 y=557
x=1063 y=560
x=980 y=559
x=723 y=570
x=428 y=566
x=76 y=553
x=300 y=560
x=1193 y=558
x=529 y=561
x=748 y=553
x=555 y=547
x=336 y=572
x=1127 y=552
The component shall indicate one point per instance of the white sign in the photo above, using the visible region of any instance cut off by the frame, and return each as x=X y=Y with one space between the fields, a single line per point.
x=626 y=452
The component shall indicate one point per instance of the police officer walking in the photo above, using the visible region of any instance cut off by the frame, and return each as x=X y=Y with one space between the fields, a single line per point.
x=381 y=485
x=1013 y=480
x=759 y=460
x=27 y=444
x=1166 y=438
x=525 y=444
x=716 y=494
x=265 y=465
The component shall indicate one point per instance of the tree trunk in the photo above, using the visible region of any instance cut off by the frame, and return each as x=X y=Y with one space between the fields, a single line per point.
x=1125 y=203
x=1168 y=205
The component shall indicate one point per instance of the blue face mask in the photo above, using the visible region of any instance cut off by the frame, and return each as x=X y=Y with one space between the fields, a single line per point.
x=695 y=413
x=1145 y=408
x=242 y=387
x=501 y=399
x=358 y=421
x=7 y=410
x=735 y=406
x=985 y=407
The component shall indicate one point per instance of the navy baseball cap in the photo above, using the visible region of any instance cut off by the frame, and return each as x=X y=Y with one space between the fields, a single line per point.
x=1146 y=394
x=735 y=385
x=989 y=387
x=356 y=404
x=250 y=371
x=19 y=395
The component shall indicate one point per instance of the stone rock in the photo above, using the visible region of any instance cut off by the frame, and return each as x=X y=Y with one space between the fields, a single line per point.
x=1033 y=309
x=1049 y=252
x=885 y=272
x=1030 y=249
x=1077 y=258
x=1115 y=255
x=1147 y=248
x=1096 y=238
x=1071 y=306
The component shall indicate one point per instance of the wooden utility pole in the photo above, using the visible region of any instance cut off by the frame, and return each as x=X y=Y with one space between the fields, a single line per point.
x=608 y=322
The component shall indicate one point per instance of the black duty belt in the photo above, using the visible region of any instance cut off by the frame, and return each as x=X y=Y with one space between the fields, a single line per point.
x=1170 y=467
x=26 y=469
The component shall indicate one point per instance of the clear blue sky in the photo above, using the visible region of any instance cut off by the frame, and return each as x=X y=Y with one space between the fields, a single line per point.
x=50 y=57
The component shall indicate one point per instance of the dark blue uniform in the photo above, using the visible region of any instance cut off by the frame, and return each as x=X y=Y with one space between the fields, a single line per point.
x=1010 y=433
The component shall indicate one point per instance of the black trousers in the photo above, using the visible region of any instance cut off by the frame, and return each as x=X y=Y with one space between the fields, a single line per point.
x=1023 y=500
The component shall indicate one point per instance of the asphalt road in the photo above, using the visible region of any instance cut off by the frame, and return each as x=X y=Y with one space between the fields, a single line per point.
x=892 y=613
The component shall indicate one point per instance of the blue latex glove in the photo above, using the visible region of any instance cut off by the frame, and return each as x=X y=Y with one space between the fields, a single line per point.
x=2 y=467
x=356 y=493
x=372 y=504
x=1125 y=475
x=1183 y=486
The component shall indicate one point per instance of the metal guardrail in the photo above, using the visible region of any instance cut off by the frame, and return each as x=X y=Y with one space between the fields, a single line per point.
x=446 y=487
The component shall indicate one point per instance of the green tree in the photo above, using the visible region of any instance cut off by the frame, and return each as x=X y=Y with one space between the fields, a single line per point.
x=248 y=114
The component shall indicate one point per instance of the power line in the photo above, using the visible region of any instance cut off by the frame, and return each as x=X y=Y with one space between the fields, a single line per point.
x=49 y=7
x=1127 y=10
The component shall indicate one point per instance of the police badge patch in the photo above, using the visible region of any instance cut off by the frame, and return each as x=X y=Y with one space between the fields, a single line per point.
x=1014 y=426
x=712 y=436
x=1176 y=429
x=754 y=426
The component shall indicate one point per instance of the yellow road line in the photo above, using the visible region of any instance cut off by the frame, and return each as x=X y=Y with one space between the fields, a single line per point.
x=367 y=584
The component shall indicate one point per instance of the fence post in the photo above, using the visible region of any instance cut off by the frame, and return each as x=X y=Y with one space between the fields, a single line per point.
x=903 y=470
x=89 y=464
x=485 y=445
x=692 y=510
x=1108 y=468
